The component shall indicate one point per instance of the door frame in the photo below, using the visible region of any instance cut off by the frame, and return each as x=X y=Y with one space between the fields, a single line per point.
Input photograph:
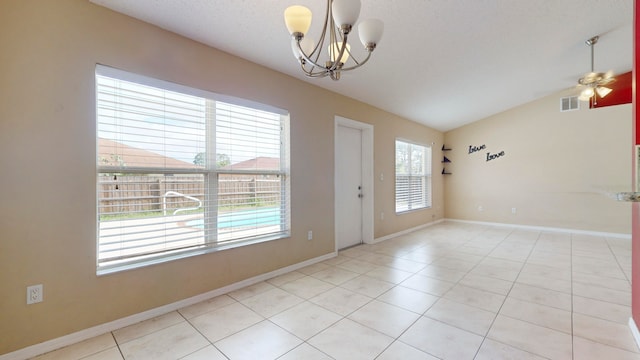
x=367 y=177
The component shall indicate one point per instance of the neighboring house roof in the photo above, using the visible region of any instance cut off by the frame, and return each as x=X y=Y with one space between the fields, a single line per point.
x=259 y=163
x=113 y=153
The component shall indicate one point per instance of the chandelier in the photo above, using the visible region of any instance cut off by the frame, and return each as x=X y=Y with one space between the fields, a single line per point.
x=331 y=55
x=593 y=81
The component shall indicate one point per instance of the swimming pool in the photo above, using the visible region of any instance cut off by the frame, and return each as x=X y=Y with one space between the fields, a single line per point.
x=253 y=217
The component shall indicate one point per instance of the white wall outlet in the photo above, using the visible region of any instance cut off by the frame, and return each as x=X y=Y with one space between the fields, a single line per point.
x=381 y=176
x=513 y=210
x=382 y=215
x=309 y=235
x=480 y=208
x=34 y=294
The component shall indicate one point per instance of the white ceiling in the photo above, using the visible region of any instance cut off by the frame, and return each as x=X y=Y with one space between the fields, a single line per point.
x=442 y=63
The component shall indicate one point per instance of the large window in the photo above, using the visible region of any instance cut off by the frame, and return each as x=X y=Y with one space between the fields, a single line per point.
x=183 y=171
x=413 y=176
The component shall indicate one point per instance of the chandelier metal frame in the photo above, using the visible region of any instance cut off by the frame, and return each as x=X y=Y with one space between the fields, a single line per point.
x=329 y=56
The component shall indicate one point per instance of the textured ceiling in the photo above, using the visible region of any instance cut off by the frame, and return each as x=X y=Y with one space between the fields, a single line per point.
x=441 y=63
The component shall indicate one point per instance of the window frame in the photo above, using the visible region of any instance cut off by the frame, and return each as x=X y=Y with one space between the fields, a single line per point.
x=426 y=176
x=211 y=173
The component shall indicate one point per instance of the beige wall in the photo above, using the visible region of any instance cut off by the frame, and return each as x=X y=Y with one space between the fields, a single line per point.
x=556 y=169
x=48 y=152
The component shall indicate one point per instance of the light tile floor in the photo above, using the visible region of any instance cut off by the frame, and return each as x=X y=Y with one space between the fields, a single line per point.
x=449 y=291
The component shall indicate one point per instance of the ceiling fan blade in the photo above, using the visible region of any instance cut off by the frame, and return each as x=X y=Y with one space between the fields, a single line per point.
x=588 y=78
x=606 y=81
x=607 y=78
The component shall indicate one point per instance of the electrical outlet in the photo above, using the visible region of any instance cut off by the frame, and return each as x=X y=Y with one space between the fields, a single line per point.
x=513 y=210
x=309 y=235
x=480 y=208
x=382 y=215
x=34 y=294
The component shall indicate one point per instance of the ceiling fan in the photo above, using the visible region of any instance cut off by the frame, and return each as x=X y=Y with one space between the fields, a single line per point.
x=594 y=82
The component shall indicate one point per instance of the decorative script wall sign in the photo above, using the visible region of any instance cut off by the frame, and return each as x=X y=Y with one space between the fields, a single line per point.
x=491 y=156
x=473 y=148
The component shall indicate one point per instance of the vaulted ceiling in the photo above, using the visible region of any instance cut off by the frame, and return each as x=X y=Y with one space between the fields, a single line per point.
x=441 y=63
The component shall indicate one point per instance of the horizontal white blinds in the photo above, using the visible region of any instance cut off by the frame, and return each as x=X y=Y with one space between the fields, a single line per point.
x=413 y=176
x=252 y=136
x=149 y=126
x=143 y=215
x=180 y=173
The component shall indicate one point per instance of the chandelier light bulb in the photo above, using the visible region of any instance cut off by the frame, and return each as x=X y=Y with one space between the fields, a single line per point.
x=307 y=43
x=345 y=12
x=336 y=51
x=297 y=18
x=370 y=32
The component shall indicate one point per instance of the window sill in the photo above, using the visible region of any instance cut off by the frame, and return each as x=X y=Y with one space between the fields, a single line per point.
x=181 y=254
x=412 y=210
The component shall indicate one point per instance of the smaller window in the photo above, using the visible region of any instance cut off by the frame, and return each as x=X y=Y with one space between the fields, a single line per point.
x=413 y=176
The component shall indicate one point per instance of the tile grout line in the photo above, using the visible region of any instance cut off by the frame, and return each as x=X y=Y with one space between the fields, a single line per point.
x=203 y=335
x=573 y=355
x=617 y=260
x=375 y=299
x=507 y=295
x=117 y=344
x=420 y=315
x=395 y=285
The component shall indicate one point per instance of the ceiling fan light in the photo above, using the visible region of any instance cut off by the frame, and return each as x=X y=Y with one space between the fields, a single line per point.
x=297 y=18
x=586 y=94
x=603 y=91
x=345 y=12
x=370 y=32
x=584 y=98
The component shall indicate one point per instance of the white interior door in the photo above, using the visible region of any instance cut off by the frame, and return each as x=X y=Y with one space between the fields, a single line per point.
x=348 y=186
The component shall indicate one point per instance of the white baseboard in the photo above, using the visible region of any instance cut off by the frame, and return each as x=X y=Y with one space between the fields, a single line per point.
x=94 y=331
x=634 y=331
x=403 y=232
x=545 y=228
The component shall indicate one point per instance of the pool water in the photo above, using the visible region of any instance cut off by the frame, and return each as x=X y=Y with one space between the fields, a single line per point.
x=265 y=216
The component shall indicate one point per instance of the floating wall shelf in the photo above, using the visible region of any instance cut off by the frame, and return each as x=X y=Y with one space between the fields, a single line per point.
x=445 y=160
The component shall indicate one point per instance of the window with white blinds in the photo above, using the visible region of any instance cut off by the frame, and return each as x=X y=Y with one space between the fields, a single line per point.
x=413 y=176
x=182 y=171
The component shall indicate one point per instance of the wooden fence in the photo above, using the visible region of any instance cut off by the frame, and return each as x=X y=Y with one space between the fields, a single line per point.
x=120 y=194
